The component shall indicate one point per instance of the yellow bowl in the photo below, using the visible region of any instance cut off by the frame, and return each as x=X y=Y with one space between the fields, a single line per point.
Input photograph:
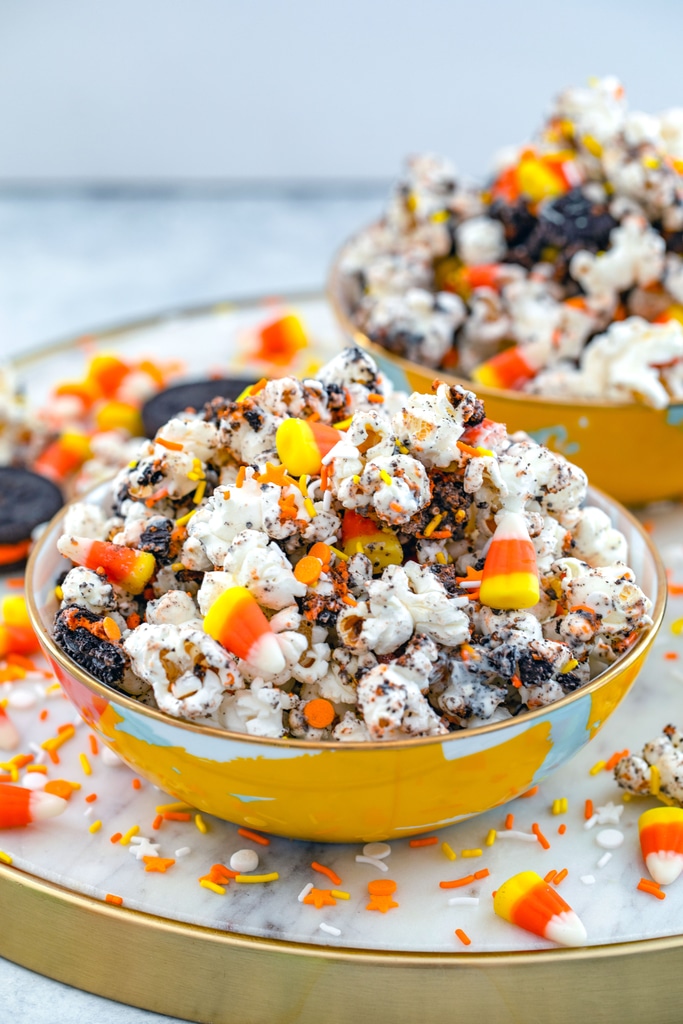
x=632 y=451
x=344 y=792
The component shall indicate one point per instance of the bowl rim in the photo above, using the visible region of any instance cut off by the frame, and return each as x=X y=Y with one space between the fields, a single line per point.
x=335 y=296
x=644 y=641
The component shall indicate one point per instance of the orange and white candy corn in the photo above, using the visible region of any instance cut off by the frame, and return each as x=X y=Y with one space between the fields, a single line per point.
x=126 y=567
x=20 y=806
x=303 y=444
x=530 y=903
x=9 y=737
x=281 y=339
x=661 y=840
x=509 y=369
x=237 y=622
x=510 y=576
x=63 y=456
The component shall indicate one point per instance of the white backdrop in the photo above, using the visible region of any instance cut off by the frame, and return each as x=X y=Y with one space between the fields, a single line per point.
x=173 y=90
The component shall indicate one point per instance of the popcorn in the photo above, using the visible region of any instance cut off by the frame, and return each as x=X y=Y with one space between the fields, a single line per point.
x=379 y=595
x=658 y=770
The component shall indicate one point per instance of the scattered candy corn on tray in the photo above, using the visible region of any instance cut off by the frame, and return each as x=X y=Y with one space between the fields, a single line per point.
x=125 y=845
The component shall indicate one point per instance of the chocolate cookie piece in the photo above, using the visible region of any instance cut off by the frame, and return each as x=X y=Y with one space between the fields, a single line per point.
x=26 y=500
x=191 y=395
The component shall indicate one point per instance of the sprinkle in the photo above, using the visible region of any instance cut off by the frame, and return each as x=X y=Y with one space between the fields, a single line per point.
x=304 y=892
x=95 y=827
x=588 y=879
x=491 y=837
x=171 y=445
x=37 y=768
x=199 y=493
x=560 y=876
x=310 y=508
x=448 y=851
x=5 y=857
x=561 y=829
x=373 y=397
x=248 y=834
x=588 y=810
x=186 y=518
x=645 y=885
x=176 y=816
x=569 y=667
x=509 y=821
x=340 y=554
x=516 y=682
x=378 y=850
x=597 y=767
x=671 y=656
x=610 y=838
x=94 y=749
x=328 y=872
x=330 y=929
x=136 y=784
x=471 y=853
x=183 y=851
x=272 y=877
x=456 y=883
x=463 y=901
x=427 y=841
x=677 y=627
x=201 y=824
x=535 y=828
x=523 y=837
x=550 y=876
x=127 y=836
x=160 y=864
x=85 y=764
x=161 y=808
x=655 y=780
x=560 y=806
x=339 y=894
x=242 y=472
x=212 y=886
x=177 y=567
x=115 y=838
x=385 y=477
x=615 y=759
x=464 y=938
x=432 y=525
x=379 y=864
x=156 y=824
x=111 y=629
x=116 y=901
x=530 y=792
x=605 y=859
x=593 y=820
x=396 y=507
x=91 y=798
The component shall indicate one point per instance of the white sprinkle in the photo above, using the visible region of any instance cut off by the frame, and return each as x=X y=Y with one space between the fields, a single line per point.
x=329 y=928
x=88 y=811
x=243 y=861
x=522 y=837
x=183 y=851
x=610 y=838
x=304 y=892
x=588 y=879
x=609 y=814
x=138 y=839
x=463 y=901
x=605 y=859
x=111 y=759
x=593 y=820
x=379 y=864
x=377 y=850
x=35 y=749
x=327 y=500
x=21 y=700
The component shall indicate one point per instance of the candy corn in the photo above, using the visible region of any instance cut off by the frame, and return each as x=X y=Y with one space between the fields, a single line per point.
x=9 y=737
x=126 y=567
x=302 y=445
x=529 y=902
x=63 y=456
x=281 y=339
x=19 y=806
x=510 y=576
x=661 y=840
x=509 y=369
x=17 y=640
x=237 y=622
x=360 y=534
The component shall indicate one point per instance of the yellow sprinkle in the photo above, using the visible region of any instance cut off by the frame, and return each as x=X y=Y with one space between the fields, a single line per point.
x=55 y=742
x=655 y=780
x=597 y=767
x=432 y=525
x=186 y=518
x=160 y=808
x=303 y=484
x=560 y=805
x=491 y=837
x=194 y=476
x=54 y=688
x=206 y=884
x=201 y=824
x=338 y=895
x=5 y=857
x=177 y=567
x=310 y=508
x=96 y=826
x=273 y=877
x=127 y=836
x=650 y=161
x=197 y=467
x=356 y=479
x=402 y=448
x=359 y=547
x=448 y=851
x=85 y=764
x=441 y=558
x=666 y=799
x=340 y=554
x=471 y=853
x=59 y=593
x=569 y=667
x=385 y=477
x=132 y=464
x=74 y=785
x=344 y=424
x=592 y=145
x=41 y=768
x=199 y=493
x=626 y=798
x=439 y=216
x=677 y=627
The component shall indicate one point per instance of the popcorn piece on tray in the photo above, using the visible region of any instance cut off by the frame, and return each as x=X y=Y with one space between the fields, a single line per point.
x=382 y=573
x=658 y=771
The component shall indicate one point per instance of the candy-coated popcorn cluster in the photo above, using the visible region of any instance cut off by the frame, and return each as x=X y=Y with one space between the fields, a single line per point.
x=330 y=559
x=563 y=276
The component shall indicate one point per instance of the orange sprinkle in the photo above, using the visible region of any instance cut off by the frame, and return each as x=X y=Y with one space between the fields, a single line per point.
x=307 y=570
x=562 y=829
x=395 y=507
x=588 y=810
x=176 y=816
x=53 y=755
x=37 y=768
x=516 y=682
x=645 y=885
x=482 y=873
x=377 y=399
x=455 y=883
x=115 y=838
x=530 y=792
x=160 y=864
x=248 y=834
x=172 y=445
x=156 y=824
x=324 y=477
x=535 y=828
x=510 y=821
x=560 y=876
x=133 y=620
x=117 y=901
x=426 y=841
x=240 y=476
x=22 y=661
x=111 y=629
x=332 y=875
x=136 y=784
x=319 y=713
x=675 y=589
x=322 y=551
x=671 y=656
x=382 y=887
x=258 y=386
x=550 y=876
x=463 y=936
x=157 y=496
x=94 y=747
x=91 y=798
x=347 y=599
x=614 y=759
x=15 y=581
x=21 y=760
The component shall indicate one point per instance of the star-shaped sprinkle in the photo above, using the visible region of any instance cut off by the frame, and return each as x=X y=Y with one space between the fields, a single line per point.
x=382 y=903
x=275 y=475
x=141 y=847
x=381 y=890
x=158 y=864
x=320 y=898
x=609 y=813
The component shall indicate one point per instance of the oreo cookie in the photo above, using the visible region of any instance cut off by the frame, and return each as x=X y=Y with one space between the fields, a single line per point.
x=191 y=395
x=26 y=500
